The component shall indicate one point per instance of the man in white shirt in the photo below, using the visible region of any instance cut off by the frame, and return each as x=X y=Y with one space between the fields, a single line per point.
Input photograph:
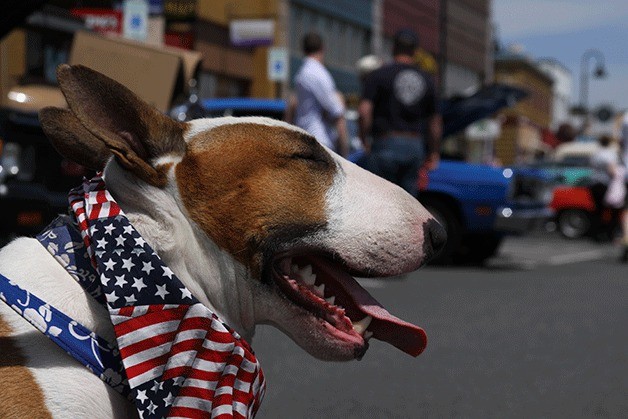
x=316 y=106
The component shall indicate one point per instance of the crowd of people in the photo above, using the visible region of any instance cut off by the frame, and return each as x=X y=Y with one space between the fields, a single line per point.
x=399 y=121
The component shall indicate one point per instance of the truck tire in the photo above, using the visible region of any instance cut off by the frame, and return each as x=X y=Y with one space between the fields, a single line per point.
x=448 y=218
x=476 y=248
x=574 y=223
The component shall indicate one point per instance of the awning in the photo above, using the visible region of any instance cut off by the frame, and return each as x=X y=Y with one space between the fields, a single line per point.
x=36 y=14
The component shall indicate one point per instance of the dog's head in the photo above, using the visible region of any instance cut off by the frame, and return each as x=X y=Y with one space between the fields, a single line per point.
x=298 y=219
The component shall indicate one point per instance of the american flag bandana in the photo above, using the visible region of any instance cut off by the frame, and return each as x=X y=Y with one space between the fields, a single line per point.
x=180 y=359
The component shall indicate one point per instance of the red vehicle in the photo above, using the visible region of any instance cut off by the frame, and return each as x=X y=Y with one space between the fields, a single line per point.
x=576 y=212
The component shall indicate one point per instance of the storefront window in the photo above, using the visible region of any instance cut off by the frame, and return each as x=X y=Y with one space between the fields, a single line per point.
x=45 y=51
x=214 y=85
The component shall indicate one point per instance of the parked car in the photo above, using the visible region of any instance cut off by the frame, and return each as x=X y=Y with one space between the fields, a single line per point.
x=576 y=214
x=272 y=108
x=575 y=208
x=479 y=205
x=565 y=173
x=34 y=178
x=573 y=204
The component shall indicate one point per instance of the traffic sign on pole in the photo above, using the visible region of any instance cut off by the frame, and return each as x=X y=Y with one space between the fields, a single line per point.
x=277 y=64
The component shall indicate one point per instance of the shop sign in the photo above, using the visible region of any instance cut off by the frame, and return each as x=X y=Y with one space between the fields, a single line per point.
x=277 y=64
x=105 y=21
x=251 y=32
x=135 y=19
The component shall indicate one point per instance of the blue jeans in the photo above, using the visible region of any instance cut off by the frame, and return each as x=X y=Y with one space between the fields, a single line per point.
x=398 y=160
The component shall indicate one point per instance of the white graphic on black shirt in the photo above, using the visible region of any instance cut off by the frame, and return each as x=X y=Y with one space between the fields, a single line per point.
x=409 y=87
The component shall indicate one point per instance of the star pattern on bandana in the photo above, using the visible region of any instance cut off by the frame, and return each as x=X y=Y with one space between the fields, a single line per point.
x=124 y=273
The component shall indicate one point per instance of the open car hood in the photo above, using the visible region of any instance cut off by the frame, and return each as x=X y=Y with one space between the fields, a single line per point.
x=460 y=112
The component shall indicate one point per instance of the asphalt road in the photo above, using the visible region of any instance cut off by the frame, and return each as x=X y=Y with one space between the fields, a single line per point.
x=541 y=332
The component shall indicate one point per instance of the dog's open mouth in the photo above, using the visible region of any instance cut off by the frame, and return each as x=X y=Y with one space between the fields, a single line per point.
x=328 y=292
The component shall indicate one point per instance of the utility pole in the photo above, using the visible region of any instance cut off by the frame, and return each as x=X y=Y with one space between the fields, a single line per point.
x=283 y=25
x=442 y=38
x=377 y=35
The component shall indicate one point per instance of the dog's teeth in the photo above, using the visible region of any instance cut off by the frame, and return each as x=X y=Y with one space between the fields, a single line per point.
x=310 y=280
x=362 y=325
x=306 y=270
x=331 y=300
x=307 y=276
x=320 y=289
x=294 y=269
x=368 y=334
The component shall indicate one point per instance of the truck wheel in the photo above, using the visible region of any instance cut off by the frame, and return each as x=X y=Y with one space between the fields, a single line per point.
x=450 y=222
x=476 y=248
x=574 y=223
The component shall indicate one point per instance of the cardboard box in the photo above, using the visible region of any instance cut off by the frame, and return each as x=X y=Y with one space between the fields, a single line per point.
x=154 y=73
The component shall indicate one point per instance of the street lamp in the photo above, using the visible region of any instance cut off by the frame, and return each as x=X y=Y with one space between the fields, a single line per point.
x=599 y=72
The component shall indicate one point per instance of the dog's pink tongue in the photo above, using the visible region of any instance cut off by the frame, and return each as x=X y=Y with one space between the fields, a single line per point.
x=386 y=327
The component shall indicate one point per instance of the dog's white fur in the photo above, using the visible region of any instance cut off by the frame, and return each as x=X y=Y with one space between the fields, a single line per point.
x=356 y=201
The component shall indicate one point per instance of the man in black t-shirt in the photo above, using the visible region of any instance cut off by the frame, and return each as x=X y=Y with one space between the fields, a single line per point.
x=399 y=112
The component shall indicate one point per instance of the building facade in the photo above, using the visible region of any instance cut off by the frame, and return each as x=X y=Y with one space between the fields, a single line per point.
x=526 y=122
x=466 y=51
x=453 y=33
x=456 y=32
x=561 y=90
x=346 y=28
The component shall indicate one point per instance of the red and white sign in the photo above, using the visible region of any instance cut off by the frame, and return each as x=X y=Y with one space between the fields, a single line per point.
x=105 y=21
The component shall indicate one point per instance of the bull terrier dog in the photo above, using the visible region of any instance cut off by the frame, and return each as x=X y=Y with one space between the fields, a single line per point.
x=260 y=223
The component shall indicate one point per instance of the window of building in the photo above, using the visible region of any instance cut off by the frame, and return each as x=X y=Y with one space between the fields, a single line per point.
x=345 y=42
x=216 y=85
x=45 y=51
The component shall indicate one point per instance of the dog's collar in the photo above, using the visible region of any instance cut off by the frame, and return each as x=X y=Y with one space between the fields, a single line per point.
x=179 y=357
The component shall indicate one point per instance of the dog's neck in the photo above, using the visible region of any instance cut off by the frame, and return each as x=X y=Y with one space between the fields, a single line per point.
x=212 y=275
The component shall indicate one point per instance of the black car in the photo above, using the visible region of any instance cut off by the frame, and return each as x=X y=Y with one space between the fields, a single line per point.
x=34 y=178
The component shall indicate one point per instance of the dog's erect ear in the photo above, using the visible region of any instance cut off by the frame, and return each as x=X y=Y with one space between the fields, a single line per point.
x=70 y=138
x=134 y=131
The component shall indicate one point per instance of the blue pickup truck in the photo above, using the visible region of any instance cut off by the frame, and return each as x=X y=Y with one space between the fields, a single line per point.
x=480 y=204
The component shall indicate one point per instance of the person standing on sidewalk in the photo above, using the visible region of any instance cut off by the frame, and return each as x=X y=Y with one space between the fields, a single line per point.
x=607 y=167
x=316 y=105
x=399 y=112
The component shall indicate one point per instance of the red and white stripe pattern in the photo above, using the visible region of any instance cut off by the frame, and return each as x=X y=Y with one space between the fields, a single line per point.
x=180 y=359
x=155 y=344
x=102 y=205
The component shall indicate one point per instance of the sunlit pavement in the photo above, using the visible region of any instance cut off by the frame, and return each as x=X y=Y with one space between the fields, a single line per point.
x=549 y=248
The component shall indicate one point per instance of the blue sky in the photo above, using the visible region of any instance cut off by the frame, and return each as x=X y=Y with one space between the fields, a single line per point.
x=564 y=30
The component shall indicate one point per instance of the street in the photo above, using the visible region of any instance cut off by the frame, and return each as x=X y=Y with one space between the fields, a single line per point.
x=540 y=332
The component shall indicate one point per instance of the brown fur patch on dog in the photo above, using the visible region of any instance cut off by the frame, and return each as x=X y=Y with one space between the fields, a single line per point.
x=250 y=185
x=20 y=396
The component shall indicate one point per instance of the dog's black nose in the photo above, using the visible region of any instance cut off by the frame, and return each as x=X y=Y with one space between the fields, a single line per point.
x=435 y=238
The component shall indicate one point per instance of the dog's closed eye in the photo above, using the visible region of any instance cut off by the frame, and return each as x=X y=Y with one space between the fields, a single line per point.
x=311 y=156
